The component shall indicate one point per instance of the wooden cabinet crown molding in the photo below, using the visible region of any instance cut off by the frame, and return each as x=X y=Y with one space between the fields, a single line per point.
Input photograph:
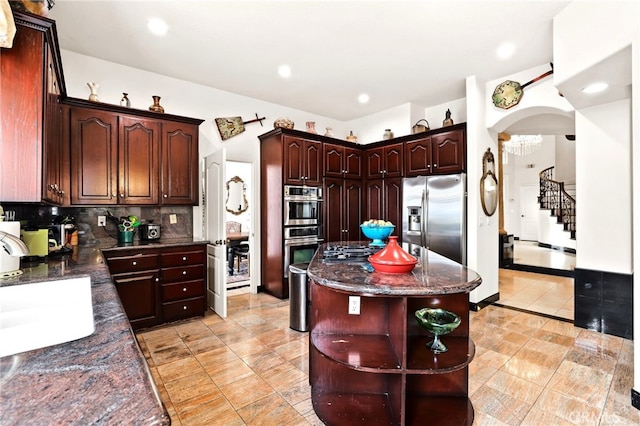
x=326 y=139
x=130 y=111
x=48 y=27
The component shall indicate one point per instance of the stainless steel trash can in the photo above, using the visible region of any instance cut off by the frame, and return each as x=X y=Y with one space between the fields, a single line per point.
x=298 y=297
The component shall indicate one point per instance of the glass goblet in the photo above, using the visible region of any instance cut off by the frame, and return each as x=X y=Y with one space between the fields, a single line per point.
x=438 y=322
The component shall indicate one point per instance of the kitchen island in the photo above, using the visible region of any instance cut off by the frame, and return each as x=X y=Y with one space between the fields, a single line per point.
x=100 y=379
x=368 y=360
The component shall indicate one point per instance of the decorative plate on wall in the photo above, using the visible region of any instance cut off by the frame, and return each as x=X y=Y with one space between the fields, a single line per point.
x=507 y=94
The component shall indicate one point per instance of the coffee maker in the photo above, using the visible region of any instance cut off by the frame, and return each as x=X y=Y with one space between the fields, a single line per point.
x=57 y=238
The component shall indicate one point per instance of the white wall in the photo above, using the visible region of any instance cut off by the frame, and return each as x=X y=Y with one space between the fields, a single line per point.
x=565 y=170
x=435 y=115
x=603 y=174
x=402 y=118
x=371 y=128
x=482 y=230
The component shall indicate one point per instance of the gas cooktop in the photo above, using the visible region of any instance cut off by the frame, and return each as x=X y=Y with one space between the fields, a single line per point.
x=348 y=252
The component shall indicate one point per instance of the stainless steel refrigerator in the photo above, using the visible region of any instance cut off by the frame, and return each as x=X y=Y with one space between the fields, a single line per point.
x=434 y=212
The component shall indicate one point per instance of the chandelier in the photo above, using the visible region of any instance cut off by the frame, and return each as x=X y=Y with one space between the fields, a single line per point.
x=522 y=144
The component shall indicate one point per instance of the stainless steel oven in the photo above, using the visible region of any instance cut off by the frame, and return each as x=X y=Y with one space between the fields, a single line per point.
x=302 y=205
x=297 y=250
x=308 y=232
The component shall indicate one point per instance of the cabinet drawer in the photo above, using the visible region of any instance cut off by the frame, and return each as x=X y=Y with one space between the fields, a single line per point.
x=184 y=273
x=183 y=258
x=138 y=262
x=183 y=309
x=183 y=290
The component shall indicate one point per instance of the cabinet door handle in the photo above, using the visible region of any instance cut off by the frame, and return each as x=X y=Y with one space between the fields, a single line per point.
x=113 y=194
x=134 y=263
x=184 y=289
x=184 y=308
x=157 y=279
x=122 y=195
x=184 y=258
x=165 y=196
x=184 y=272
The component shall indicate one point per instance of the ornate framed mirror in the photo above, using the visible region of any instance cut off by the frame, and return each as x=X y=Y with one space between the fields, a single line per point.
x=489 y=184
x=236 y=196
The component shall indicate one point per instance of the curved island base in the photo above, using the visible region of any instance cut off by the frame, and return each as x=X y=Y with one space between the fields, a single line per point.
x=375 y=367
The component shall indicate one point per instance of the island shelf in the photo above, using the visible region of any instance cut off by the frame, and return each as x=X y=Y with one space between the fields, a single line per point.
x=375 y=367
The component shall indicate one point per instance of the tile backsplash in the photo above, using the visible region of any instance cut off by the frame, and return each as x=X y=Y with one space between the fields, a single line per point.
x=86 y=218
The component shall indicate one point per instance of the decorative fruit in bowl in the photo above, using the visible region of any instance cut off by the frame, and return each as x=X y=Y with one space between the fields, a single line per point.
x=377 y=230
x=437 y=322
x=393 y=259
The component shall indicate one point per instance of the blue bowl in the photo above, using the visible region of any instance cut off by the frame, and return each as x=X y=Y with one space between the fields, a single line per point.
x=377 y=233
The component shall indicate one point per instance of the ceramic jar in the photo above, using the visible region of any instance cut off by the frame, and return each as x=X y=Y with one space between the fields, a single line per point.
x=311 y=127
x=393 y=259
x=388 y=134
x=352 y=137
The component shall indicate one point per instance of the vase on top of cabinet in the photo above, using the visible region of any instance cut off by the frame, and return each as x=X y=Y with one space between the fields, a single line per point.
x=156 y=107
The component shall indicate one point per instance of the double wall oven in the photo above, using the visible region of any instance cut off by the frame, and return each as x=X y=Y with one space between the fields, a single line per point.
x=302 y=223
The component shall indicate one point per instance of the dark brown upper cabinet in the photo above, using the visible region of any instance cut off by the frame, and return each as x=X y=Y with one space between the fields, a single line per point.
x=179 y=183
x=302 y=161
x=31 y=84
x=342 y=161
x=448 y=151
x=131 y=159
x=385 y=161
x=439 y=153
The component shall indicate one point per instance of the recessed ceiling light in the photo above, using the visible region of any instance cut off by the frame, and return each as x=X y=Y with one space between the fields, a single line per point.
x=506 y=50
x=157 y=26
x=363 y=98
x=284 y=71
x=595 y=88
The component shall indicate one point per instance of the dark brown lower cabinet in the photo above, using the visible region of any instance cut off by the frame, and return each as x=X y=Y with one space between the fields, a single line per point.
x=158 y=285
x=375 y=369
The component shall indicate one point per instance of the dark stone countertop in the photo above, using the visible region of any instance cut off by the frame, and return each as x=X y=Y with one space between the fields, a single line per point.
x=433 y=275
x=100 y=379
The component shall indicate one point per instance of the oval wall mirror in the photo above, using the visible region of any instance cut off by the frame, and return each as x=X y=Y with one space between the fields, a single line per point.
x=236 y=196
x=488 y=184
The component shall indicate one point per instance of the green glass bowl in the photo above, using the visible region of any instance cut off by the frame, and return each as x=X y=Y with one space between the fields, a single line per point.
x=437 y=322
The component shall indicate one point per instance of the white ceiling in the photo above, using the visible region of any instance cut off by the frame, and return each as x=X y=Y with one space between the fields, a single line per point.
x=396 y=51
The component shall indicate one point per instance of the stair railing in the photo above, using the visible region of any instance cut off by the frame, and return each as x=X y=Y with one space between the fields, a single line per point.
x=554 y=198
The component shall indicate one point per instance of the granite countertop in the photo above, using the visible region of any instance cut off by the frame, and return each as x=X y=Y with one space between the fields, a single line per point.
x=100 y=379
x=434 y=274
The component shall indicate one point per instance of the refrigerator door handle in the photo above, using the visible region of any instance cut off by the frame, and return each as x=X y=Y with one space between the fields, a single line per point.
x=424 y=219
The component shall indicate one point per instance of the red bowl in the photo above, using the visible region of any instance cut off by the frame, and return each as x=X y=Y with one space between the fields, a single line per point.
x=393 y=268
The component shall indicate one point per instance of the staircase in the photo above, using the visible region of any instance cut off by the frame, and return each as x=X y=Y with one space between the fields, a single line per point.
x=555 y=198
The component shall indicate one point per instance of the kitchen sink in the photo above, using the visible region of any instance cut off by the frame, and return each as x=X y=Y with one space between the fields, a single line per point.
x=46 y=313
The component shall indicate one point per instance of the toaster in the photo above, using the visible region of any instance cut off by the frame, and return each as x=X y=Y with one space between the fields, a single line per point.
x=150 y=231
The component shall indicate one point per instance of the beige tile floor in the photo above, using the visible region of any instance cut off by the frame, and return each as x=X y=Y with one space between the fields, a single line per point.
x=529 y=253
x=252 y=369
x=541 y=293
x=546 y=294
